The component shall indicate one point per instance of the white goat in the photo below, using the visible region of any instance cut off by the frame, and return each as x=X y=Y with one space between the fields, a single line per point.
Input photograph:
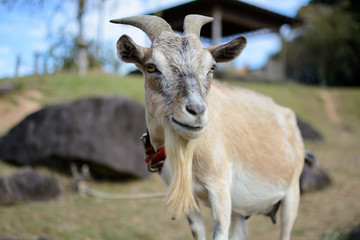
x=235 y=150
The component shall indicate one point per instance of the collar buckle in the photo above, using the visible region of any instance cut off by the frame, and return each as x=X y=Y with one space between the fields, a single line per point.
x=154 y=160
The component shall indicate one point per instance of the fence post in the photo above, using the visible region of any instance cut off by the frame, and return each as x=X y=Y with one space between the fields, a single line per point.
x=17 y=65
x=45 y=59
x=36 y=63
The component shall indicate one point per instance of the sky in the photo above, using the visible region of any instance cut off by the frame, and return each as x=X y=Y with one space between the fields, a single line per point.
x=24 y=32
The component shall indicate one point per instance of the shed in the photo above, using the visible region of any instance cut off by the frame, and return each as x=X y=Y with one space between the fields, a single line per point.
x=230 y=17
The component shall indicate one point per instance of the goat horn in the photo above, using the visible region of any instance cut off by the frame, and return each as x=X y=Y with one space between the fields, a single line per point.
x=194 y=22
x=151 y=25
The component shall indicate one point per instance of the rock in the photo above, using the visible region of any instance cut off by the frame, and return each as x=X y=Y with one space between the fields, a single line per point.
x=102 y=132
x=354 y=234
x=27 y=185
x=307 y=131
x=313 y=177
x=8 y=87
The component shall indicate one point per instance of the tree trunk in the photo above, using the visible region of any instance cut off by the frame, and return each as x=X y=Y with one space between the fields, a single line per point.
x=83 y=56
x=83 y=61
x=283 y=60
x=322 y=72
x=99 y=32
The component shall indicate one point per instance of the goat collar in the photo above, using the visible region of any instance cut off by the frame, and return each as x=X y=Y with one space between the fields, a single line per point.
x=155 y=160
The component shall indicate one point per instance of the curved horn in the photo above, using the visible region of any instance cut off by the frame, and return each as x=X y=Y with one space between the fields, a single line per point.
x=194 y=22
x=151 y=25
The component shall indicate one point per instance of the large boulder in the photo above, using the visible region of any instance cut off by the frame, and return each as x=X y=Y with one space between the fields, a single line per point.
x=307 y=131
x=103 y=133
x=313 y=177
x=354 y=234
x=7 y=87
x=27 y=185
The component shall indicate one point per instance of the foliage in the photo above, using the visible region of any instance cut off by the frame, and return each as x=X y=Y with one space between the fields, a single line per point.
x=64 y=49
x=332 y=2
x=329 y=51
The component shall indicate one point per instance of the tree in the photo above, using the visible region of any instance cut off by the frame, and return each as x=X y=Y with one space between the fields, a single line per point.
x=329 y=51
x=68 y=52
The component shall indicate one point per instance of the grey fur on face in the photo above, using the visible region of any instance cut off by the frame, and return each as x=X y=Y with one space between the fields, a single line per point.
x=178 y=69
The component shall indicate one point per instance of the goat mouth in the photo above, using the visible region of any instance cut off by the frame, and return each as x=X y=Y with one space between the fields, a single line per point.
x=188 y=127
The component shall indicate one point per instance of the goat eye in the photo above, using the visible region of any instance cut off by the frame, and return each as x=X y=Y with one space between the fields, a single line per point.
x=212 y=68
x=150 y=68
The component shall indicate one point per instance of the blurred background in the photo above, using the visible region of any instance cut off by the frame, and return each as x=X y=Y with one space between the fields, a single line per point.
x=70 y=111
x=69 y=35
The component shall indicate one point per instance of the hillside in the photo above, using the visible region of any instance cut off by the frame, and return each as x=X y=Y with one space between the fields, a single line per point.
x=328 y=214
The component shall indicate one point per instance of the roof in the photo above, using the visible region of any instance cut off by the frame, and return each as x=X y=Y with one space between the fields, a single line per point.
x=237 y=17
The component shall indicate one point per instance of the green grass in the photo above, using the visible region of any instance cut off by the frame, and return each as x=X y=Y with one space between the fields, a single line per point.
x=323 y=215
x=67 y=86
x=350 y=105
x=335 y=236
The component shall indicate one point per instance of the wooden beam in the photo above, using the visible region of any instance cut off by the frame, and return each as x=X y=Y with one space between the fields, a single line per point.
x=216 y=25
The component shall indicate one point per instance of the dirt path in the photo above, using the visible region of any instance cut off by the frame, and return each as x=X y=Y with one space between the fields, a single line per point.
x=14 y=107
x=331 y=106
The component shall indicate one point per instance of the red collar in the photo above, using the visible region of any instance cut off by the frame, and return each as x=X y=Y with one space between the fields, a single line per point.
x=154 y=160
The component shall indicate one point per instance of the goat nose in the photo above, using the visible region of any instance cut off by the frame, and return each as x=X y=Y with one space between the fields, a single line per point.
x=196 y=109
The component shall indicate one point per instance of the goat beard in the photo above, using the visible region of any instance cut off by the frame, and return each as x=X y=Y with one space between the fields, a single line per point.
x=180 y=153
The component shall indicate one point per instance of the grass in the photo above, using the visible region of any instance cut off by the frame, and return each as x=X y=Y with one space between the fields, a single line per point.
x=324 y=215
x=335 y=236
x=66 y=86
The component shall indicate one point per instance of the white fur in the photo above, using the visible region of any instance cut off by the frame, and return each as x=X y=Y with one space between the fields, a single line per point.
x=240 y=156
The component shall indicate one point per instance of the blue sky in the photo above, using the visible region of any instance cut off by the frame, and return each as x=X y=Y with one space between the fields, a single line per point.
x=24 y=33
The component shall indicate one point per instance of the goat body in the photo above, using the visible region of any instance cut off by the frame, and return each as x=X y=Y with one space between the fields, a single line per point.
x=234 y=149
x=248 y=159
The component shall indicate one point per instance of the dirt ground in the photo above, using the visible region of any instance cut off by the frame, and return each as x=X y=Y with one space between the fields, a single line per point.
x=14 y=107
x=331 y=106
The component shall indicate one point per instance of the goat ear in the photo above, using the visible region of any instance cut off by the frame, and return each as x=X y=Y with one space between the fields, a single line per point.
x=228 y=51
x=129 y=51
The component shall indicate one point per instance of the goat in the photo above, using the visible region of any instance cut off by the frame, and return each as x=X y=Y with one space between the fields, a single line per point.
x=235 y=150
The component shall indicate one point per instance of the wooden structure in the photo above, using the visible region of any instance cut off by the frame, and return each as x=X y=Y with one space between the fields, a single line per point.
x=230 y=17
